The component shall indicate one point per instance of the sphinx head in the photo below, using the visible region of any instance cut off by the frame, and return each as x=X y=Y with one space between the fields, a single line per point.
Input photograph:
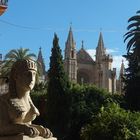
x=23 y=76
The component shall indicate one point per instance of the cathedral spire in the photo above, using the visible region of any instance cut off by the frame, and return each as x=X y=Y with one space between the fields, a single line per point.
x=100 y=50
x=41 y=61
x=70 y=45
x=70 y=59
x=70 y=39
x=120 y=80
x=100 y=41
x=40 y=54
x=122 y=69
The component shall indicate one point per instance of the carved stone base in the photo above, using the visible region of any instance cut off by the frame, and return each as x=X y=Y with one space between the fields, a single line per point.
x=20 y=137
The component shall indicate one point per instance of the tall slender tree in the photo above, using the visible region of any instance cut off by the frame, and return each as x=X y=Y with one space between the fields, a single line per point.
x=132 y=76
x=57 y=95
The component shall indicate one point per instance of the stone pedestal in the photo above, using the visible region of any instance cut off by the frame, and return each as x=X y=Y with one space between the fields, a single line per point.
x=22 y=137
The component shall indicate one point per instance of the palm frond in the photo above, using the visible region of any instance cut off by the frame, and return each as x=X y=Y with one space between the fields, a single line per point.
x=31 y=55
x=138 y=12
x=131 y=31
x=129 y=35
x=130 y=43
x=133 y=25
x=134 y=18
x=12 y=56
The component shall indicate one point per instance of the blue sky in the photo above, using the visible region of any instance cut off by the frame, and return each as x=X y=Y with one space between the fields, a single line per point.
x=32 y=23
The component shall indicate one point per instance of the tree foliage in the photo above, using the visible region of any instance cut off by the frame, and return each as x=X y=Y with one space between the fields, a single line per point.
x=57 y=95
x=38 y=95
x=133 y=35
x=11 y=57
x=112 y=123
x=132 y=76
x=86 y=101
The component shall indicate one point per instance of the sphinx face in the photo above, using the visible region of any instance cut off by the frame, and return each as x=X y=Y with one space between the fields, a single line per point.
x=26 y=80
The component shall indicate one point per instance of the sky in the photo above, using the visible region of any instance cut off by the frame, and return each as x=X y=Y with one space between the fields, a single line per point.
x=32 y=24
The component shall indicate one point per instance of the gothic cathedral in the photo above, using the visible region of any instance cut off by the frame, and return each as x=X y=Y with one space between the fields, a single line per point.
x=82 y=69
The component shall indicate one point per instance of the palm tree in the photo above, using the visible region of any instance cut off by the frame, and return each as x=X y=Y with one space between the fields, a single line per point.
x=132 y=76
x=20 y=53
x=12 y=57
x=133 y=35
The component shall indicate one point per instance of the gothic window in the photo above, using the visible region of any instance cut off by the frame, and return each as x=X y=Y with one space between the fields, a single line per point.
x=100 y=78
x=72 y=54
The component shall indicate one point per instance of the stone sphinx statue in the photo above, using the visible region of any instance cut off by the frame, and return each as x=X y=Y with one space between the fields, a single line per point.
x=17 y=110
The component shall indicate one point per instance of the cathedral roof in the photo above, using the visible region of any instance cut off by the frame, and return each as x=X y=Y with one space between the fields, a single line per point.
x=83 y=56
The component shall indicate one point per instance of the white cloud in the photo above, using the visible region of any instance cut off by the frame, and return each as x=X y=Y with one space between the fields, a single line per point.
x=92 y=53
x=117 y=61
x=111 y=51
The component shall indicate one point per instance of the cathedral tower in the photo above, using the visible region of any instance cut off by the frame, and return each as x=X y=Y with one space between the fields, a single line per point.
x=70 y=59
x=100 y=50
x=100 y=53
x=120 y=80
x=104 y=67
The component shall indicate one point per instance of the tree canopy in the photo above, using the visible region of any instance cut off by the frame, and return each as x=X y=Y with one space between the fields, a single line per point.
x=57 y=94
x=132 y=76
x=11 y=57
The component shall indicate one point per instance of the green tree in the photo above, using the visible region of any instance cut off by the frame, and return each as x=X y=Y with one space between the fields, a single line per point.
x=132 y=76
x=86 y=101
x=113 y=123
x=11 y=57
x=38 y=95
x=57 y=94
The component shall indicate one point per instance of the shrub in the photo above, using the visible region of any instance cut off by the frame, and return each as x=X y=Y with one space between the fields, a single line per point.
x=39 y=97
x=112 y=123
x=86 y=101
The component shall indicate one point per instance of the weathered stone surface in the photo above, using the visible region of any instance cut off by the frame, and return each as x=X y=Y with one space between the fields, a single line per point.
x=17 y=111
x=22 y=137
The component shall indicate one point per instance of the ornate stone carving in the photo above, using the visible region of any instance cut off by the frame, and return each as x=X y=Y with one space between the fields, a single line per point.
x=17 y=110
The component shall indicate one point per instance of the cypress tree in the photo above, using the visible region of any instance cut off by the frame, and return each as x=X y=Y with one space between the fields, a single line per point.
x=57 y=95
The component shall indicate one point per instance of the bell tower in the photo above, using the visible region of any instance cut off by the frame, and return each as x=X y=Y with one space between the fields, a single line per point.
x=104 y=66
x=70 y=58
